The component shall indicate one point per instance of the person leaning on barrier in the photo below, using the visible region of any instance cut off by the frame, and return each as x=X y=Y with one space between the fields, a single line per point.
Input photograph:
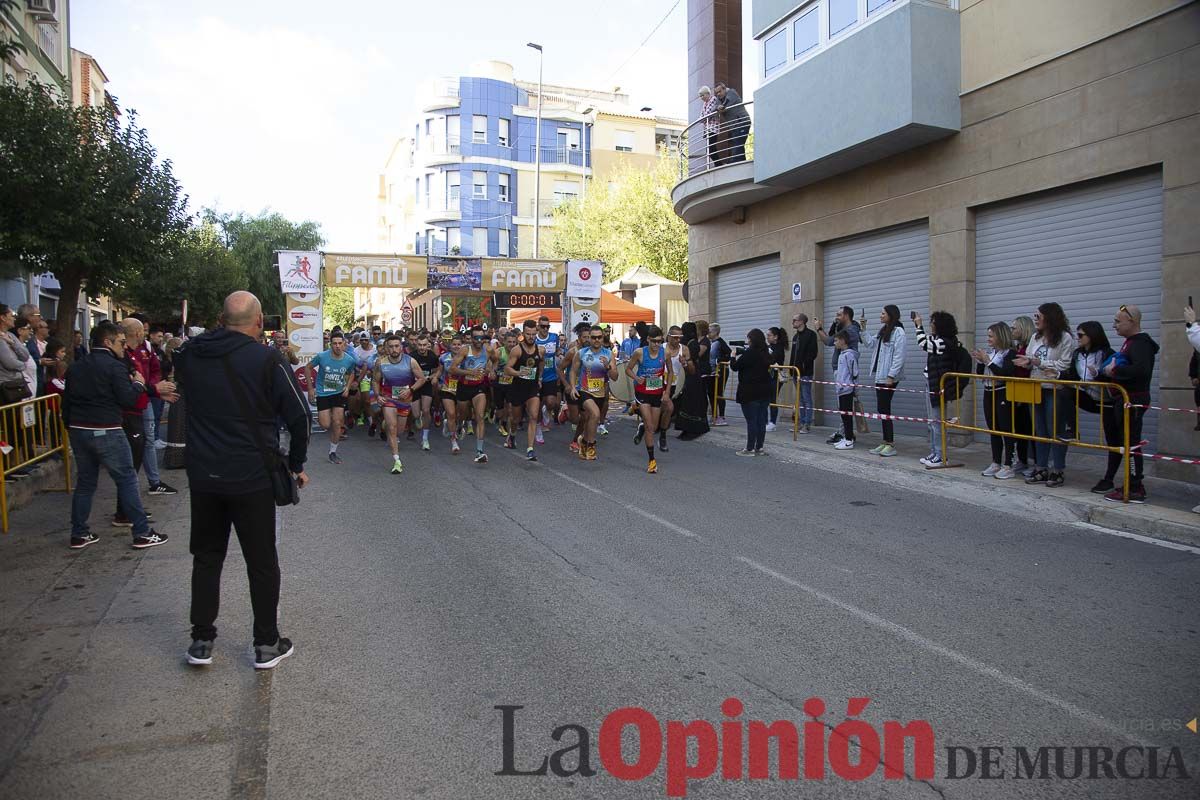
x=1131 y=368
x=777 y=345
x=997 y=361
x=1022 y=333
x=1048 y=357
x=734 y=120
x=711 y=125
x=1089 y=357
x=940 y=345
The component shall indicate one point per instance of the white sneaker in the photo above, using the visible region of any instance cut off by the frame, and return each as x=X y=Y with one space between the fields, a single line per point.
x=991 y=471
x=1196 y=510
x=931 y=461
x=1005 y=473
x=770 y=427
x=844 y=444
x=719 y=422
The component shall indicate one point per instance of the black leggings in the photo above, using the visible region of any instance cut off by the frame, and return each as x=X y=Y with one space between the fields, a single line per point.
x=136 y=436
x=999 y=420
x=883 y=399
x=846 y=406
x=1022 y=422
x=1112 y=419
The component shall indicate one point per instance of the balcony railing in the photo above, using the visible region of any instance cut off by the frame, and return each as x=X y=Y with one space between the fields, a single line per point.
x=716 y=140
x=572 y=156
x=546 y=206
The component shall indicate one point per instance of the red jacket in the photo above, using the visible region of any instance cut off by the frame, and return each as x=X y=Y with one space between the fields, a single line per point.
x=148 y=364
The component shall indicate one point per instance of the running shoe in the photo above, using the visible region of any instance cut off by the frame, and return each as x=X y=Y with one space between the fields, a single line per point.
x=334 y=458
x=537 y=436
x=991 y=471
x=1103 y=487
x=574 y=446
x=470 y=429
x=372 y=429
x=1137 y=494
x=425 y=445
x=591 y=452
x=445 y=430
x=641 y=431
x=878 y=450
x=888 y=451
x=834 y=437
x=397 y=467
x=161 y=488
x=602 y=430
x=151 y=539
x=662 y=442
x=267 y=656
x=932 y=460
x=743 y=452
x=200 y=653
x=652 y=467
x=410 y=435
x=481 y=458
x=562 y=416
x=383 y=433
x=454 y=448
x=503 y=429
x=530 y=455
x=80 y=542
x=509 y=442
x=844 y=444
x=770 y=427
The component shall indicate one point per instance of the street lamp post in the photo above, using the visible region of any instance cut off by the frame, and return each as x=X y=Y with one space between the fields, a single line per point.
x=537 y=159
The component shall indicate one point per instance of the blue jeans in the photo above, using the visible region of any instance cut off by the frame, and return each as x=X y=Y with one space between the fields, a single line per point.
x=755 y=413
x=108 y=449
x=150 y=457
x=1049 y=456
x=806 y=401
x=933 y=413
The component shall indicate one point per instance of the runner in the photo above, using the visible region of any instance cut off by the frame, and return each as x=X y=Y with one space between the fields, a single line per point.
x=330 y=374
x=423 y=397
x=524 y=368
x=501 y=384
x=582 y=333
x=591 y=370
x=677 y=354
x=357 y=405
x=398 y=377
x=651 y=372
x=471 y=366
x=549 y=392
x=448 y=392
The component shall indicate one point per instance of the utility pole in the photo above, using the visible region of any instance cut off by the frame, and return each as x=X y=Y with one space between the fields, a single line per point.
x=537 y=160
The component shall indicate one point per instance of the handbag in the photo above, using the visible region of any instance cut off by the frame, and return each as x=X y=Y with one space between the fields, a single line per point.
x=283 y=485
x=14 y=391
x=860 y=423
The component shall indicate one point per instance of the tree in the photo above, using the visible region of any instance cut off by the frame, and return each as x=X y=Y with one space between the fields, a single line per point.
x=254 y=241
x=633 y=223
x=338 y=306
x=82 y=194
x=9 y=47
x=197 y=267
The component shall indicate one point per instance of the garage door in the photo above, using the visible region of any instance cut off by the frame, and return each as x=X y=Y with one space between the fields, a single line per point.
x=870 y=271
x=1089 y=248
x=747 y=297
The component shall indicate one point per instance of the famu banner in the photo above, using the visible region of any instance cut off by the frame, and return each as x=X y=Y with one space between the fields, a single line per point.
x=523 y=275
x=377 y=271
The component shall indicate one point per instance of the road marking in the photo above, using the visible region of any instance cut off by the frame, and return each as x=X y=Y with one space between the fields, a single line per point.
x=1091 y=526
x=931 y=646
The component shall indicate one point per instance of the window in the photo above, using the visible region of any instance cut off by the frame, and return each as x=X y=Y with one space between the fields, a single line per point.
x=775 y=51
x=417 y=245
x=568 y=139
x=842 y=14
x=428 y=126
x=453 y=181
x=502 y=137
x=416 y=190
x=479 y=242
x=428 y=187
x=479 y=129
x=875 y=5
x=479 y=185
x=429 y=240
x=502 y=250
x=502 y=180
x=452 y=130
x=565 y=191
x=453 y=241
x=625 y=140
x=806 y=32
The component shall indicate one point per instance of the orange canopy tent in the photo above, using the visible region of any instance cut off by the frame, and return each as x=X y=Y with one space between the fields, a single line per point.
x=612 y=309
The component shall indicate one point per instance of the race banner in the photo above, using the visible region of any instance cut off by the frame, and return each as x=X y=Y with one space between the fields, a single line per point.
x=449 y=272
x=377 y=271
x=303 y=324
x=515 y=274
x=299 y=270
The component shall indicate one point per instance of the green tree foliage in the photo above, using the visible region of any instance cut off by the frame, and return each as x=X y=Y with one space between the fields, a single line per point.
x=82 y=194
x=254 y=240
x=197 y=267
x=630 y=224
x=9 y=46
x=339 y=307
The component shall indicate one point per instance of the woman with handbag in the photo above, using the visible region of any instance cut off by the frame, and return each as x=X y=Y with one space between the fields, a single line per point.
x=13 y=356
x=1048 y=357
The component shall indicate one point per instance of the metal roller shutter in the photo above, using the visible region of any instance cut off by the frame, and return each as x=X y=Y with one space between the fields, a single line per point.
x=1089 y=248
x=747 y=296
x=868 y=272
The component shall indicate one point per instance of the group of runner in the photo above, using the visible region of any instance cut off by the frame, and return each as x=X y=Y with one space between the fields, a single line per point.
x=526 y=380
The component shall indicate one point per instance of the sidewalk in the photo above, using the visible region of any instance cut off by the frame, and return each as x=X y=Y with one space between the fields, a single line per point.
x=1166 y=515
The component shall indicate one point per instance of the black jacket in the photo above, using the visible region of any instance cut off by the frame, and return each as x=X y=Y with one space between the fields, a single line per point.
x=804 y=352
x=1140 y=351
x=754 y=377
x=221 y=453
x=98 y=388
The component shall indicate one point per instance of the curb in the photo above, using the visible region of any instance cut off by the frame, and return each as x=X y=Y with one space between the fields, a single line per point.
x=46 y=476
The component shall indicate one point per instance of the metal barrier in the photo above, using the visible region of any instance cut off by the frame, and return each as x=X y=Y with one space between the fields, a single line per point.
x=31 y=431
x=1034 y=385
x=794 y=382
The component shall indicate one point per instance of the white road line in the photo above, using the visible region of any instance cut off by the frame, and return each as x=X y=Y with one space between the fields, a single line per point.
x=1137 y=537
x=931 y=646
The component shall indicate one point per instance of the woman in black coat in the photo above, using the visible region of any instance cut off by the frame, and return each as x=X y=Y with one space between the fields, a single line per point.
x=691 y=409
x=755 y=389
x=777 y=343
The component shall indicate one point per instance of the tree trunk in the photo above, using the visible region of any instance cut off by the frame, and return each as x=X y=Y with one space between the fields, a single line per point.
x=70 y=281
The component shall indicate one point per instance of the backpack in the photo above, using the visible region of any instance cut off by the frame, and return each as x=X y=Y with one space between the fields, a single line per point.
x=962 y=363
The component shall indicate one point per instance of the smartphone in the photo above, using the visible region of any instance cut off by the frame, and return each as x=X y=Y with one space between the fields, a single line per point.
x=912 y=315
x=1190 y=302
x=862 y=313
x=273 y=322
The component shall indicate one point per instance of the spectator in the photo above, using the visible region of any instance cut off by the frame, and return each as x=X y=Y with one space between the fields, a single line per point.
x=777 y=344
x=847 y=376
x=98 y=388
x=1131 y=368
x=1194 y=376
x=229 y=453
x=13 y=355
x=718 y=353
x=1022 y=332
x=37 y=349
x=1089 y=357
x=23 y=331
x=887 y=369
x=940 y=345
x=1193 y=330
x=1048 y=357
x=997 y=361
x=78 y=350
x=735 y=121
x=56 y=370
x=147 y=363
x=844 y=321
x=754 y=389
x=279 y=341
x=804 y=359
x=631 y=342
x=691 y=414
x=711 y=124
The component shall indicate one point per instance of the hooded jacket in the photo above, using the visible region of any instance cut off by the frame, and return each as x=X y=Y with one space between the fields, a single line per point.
x=1139 y=351
x=222 y=456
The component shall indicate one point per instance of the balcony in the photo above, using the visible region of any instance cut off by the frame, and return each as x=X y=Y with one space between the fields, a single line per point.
x=441 y=94
x=442 y=210
x=569 y=156
x=437 y=150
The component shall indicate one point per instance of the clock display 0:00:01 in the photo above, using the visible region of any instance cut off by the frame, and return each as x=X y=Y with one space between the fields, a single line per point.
x=528 y=299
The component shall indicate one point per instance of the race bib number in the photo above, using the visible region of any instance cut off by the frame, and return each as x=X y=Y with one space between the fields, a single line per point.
x=528 y=373
x=595 y=385
x=551 y=348
x=452 y=385
x=332 y=383
x=654 y=383
x=364 y=385
x=397 y=391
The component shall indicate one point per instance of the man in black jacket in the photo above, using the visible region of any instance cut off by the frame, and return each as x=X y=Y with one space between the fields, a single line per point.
x=718 y=353
x=99 y=386
x=804 y=359
x=227 y=472
x=1134 y=371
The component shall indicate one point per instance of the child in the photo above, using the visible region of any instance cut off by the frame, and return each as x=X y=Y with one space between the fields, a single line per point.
x=847 y=374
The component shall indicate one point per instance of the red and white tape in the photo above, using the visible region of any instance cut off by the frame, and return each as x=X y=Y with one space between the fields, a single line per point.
x=1163 y=408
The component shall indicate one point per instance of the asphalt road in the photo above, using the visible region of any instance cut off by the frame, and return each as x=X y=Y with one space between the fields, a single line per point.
x=420 y=602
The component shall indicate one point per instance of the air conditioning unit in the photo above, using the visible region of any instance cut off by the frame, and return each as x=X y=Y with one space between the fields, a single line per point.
x=44 y=10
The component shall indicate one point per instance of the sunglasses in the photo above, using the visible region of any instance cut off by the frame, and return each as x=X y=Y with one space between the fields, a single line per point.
x=477 y=339
x=596 y=337
x=658 y=340
x=547 y=325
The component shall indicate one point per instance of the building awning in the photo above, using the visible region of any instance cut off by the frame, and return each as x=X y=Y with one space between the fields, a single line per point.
x=612 y=309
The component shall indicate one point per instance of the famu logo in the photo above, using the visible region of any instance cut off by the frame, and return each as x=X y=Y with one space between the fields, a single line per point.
x=525 y=276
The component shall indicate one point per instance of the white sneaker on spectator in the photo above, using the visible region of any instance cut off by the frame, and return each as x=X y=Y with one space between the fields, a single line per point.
x=844 y=444
x=1005 y=473
x=770 y=427
x=991 y=470
x=932 y=460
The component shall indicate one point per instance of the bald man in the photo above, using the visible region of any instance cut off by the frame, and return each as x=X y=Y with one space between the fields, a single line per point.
x=236 y=390
x=1132 y=368
x=148 y=364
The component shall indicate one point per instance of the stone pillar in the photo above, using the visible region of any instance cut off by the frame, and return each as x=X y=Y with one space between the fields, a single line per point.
x=952 y=288
x=714 y=47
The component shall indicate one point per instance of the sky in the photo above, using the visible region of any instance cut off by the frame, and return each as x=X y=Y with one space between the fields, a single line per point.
x=290 y=106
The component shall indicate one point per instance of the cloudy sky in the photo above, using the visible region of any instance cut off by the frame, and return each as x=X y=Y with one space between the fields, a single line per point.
x=288 y=105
